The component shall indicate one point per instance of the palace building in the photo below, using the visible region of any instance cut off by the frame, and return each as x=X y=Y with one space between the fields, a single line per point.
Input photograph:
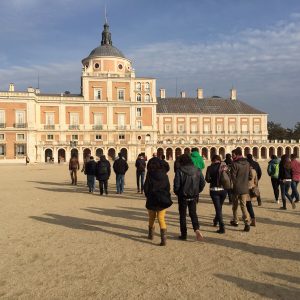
x=119 y=112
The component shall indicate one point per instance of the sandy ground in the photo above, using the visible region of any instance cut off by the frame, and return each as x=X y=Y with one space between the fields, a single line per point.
x=59 y=242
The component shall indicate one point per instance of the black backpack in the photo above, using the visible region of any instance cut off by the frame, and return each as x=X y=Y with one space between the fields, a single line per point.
x=190 y=186
x=103 y=169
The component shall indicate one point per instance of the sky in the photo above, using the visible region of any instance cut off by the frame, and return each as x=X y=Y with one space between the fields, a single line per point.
x=253 y=46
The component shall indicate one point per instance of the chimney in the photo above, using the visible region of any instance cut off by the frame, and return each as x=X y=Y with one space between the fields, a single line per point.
x=199 y=93
x=37 y=91
x=30 y=89
x=162 y=93
x=233 y=95
x=11 y=87
x=182 y=94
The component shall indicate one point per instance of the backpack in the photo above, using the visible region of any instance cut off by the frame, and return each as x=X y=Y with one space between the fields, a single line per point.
x=224 y=177
x=190 y=187
x=103 y=169
x=273 y=171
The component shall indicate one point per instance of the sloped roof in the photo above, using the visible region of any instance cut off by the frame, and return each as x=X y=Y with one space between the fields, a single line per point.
x=204 y=106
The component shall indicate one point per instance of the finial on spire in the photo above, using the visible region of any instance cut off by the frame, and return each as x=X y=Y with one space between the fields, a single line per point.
x=105 y=12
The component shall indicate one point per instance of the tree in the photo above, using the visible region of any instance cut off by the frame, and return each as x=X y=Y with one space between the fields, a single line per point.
x=296 y=133
x=276 y=131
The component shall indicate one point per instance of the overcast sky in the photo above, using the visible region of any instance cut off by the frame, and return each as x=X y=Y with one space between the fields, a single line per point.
x=213 y=44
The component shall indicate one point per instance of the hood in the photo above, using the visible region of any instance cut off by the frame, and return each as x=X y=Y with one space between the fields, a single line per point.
x=189 y=170
x=274 y=161
x=195 y=154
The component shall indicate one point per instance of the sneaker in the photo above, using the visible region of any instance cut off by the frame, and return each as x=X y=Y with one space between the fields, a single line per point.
x=277 y=201
x=284 y=208
x=253 y=222
x=235 y=224
x=293 y=205
x=247 y=228
x=182 y=237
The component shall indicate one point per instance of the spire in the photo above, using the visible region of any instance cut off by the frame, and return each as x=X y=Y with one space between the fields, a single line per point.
x=106 y=35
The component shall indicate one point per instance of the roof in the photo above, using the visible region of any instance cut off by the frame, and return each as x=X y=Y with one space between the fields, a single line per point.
x=106 y=50
x=204 y=106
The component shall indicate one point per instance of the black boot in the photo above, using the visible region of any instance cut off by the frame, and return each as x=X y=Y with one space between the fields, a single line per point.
x=221 y=229
x=163 y=237
x=150 y=233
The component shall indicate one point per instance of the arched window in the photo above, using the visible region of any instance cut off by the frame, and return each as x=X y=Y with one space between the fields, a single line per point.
x=138 y=86
x=138 y=98
x=147 y=86
x=147 y=98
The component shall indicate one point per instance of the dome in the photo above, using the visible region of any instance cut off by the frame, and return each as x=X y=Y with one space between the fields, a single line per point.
x=106 y=50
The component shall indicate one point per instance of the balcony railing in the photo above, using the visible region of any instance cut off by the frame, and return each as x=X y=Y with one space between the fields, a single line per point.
x=97 y=127
x=74 y=127
x=2 y=125
x=20 y=125
x=120 y=127
x=49 y=127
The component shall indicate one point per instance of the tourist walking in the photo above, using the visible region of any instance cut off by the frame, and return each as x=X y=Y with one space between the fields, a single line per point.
x=216 y=190
x=157 y=191
x=285 y=179
x=140 y=165
x=253 y=193
x=120 y=167
x=165 y=163
x=197 y=159
x=188 y=184
x=255 y=165
x=228 y=161
x=273 y=172
x=90 y=172
x=295 y=165
x=103 y=171
x=73 y=168
x=240 y=175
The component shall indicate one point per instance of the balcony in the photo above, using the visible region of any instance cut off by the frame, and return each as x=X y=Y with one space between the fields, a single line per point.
x=97 y=127
x=20 y=125
x=74 y=127
x=2 y=125
x=49 y=127
x=121 y=127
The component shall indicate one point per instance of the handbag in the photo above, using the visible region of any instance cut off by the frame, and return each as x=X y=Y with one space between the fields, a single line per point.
x=254 y=192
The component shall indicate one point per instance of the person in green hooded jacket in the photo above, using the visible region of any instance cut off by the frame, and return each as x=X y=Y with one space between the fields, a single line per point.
x=197 y=159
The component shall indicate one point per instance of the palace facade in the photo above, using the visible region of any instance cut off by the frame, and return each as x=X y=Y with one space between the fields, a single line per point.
x=119 y=112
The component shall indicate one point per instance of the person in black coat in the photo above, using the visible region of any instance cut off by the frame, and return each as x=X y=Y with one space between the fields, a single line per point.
x=165 y=163
x=228 y=161
x=188 y=184
x=89 y=171
x=157 y=192
x=120 y=167
x=140 y=165
x=255 y=165
x=103 y=171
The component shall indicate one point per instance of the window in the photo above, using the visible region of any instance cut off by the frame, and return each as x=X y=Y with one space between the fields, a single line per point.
x=120 y=66
x=97 y=94
x=98 y=119
x=2 y=137
x=244 y=128
x=121 y=136
x=193 y=128
x=98 y=137
x=147 y=98
x=50 y=137
x=138 y=86
x=180 y=128
x=2 y=119
x=20 y=119
x=74 y=119
x=168 y=128
x=20 y=136
x=257 y=128
x=97 y=66
x=50 y=118
x=138 y=98
x=139 y=112
x=2 y=149
x=20 y=149
x=139 y=124
x=74 y=137
x=219 y=128
x=206 y=128
x=232 y=128
x=147 y=86
x=121 y=94
x=121 y=121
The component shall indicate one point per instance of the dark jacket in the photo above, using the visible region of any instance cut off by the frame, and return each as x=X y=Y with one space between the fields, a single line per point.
x=157 y=190
x=90 y=168
x=165 y=165
x=188 y=182
x=176 y=164
x=285 y=170
x=255 y=165
x=103 y=169
x=240 y=175
x=120 y=166
x=212 y=175
x=140 y=165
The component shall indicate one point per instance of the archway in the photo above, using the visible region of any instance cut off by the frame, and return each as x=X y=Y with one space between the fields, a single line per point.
x=204 y=152
x=74 y=152
x=99 y=152
x=279 y=151
x=255 y=152
x=222 y=152
x=246 y=151
x=124 y=153
x=48 y=155
x=212 y=152
x=86 y=153
x=187 y=151
x=160 y=152
x=178 y=152
x=288 y=151
x=111 y=153
x=61 y=156
x=271 y=151
x=169 y=154
x=296 y=151
x=263 y=153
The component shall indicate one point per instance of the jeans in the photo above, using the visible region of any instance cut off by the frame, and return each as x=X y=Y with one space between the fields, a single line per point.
x=91 y=182
x=284 y=187
x=242 y=199
x=103 y=184
x=160 y=216
x=295 y=193
x=182 y=205
x=250 y=209
x=218 y=198
x=140 y=175
x=275 y=186
x=120 y=183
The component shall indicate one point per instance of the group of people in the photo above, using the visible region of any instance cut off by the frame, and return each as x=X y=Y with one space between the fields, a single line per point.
x=236 y=177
